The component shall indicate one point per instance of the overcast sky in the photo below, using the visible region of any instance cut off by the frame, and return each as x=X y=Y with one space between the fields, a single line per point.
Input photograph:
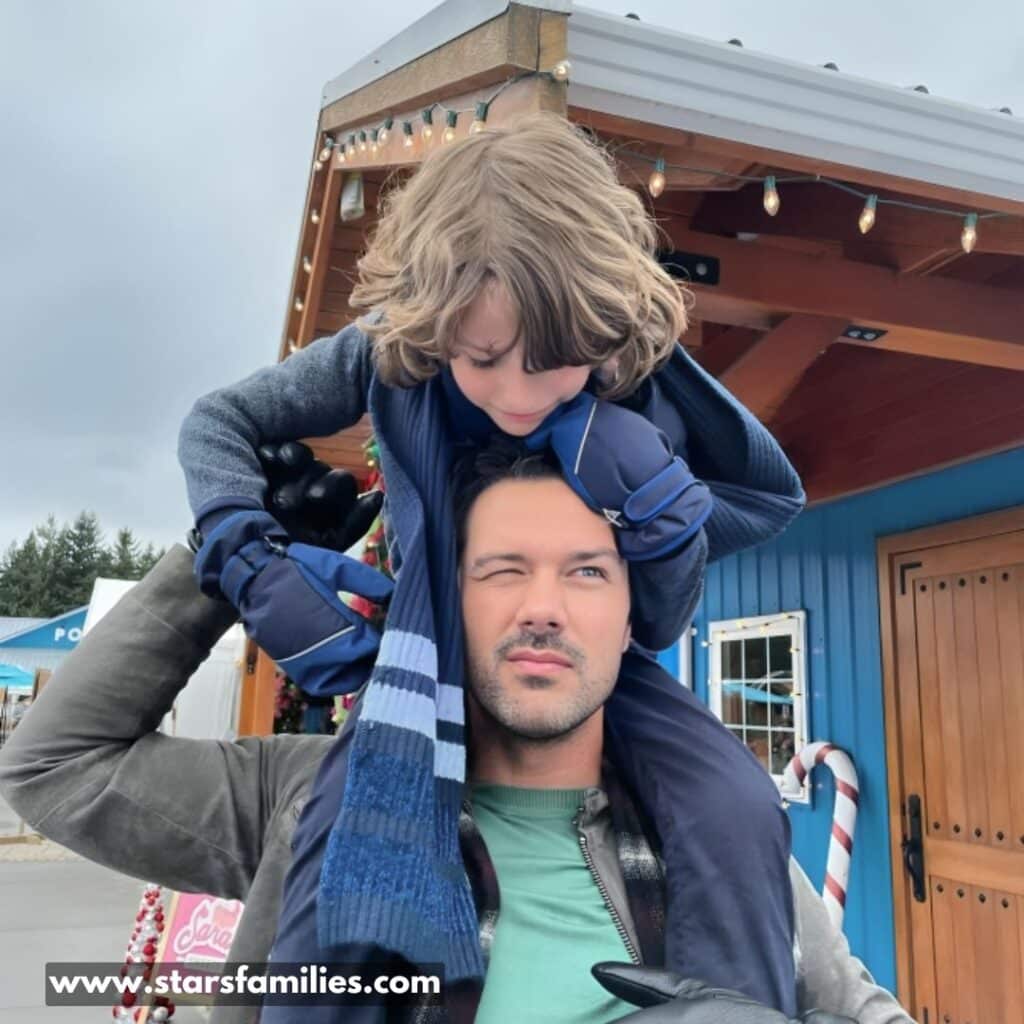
x=154 y=165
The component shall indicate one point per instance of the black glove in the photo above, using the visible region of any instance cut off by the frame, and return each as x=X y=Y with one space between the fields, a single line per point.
x=669 y=999
x=317 y=505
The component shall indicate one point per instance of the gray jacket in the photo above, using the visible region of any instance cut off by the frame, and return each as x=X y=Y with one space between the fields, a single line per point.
x=87 y=767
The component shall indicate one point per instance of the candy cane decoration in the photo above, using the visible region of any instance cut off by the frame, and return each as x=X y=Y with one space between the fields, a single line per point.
x=149 y=924
x=844 y=817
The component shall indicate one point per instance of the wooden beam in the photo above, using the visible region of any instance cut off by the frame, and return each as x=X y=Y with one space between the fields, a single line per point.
x=256 y=708
x=774 y=279
x=717 y=356
x=714 y=307
x=319 y=254
x=768 y=371
x=1005 y=355
x=810 y=210
x=490 y=53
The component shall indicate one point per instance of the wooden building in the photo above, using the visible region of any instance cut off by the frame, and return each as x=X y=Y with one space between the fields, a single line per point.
x=872 y=317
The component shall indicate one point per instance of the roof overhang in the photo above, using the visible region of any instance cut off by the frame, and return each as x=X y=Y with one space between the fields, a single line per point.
x=444 y=23
x=639 y=71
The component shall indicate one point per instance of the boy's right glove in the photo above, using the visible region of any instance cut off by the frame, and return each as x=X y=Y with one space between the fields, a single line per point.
x=289 y=598
x=669 y=999
x=623 y=467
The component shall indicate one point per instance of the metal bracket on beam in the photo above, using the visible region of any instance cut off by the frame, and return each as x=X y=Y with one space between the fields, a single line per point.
x=690 y=266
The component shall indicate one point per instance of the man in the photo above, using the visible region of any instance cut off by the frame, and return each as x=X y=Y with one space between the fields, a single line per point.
x=546 y=609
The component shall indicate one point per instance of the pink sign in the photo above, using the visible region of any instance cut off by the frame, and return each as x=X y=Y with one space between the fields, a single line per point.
x=201 y=928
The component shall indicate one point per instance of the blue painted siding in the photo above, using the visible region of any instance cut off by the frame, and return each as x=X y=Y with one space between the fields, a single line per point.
x=826 y=565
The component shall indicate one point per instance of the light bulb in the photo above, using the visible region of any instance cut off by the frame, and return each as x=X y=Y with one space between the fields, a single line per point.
x=325 y=153
x=307 y=264
x=479 y=119
x=771 y=196
x=450 y=120
x=561 y=71
x=385 y=132
x=656 y=182
x=351 y=146
x=315 y=216
x=407 y=133
x=374 y=144
x=866 y=220
x=362 y=142
x=969 y=235
x=341 y=154
x=299 y=304
x=292 y=347
x=427 y=131
x=317 y=166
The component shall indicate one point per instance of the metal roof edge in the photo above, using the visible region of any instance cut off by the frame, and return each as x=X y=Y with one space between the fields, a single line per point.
x=446 y=22
x=39 y=625
x=638 y=70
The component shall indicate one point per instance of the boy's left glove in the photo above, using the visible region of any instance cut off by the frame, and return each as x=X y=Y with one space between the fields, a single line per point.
x=289 y=598
x=623 y=467
x=669 y=999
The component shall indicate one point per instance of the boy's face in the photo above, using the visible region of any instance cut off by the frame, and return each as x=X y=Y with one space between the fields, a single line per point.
x=545 y=603
x=488 y=367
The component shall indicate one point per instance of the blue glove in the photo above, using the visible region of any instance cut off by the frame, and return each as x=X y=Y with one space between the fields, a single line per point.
x=623 y=467
x=288 y=598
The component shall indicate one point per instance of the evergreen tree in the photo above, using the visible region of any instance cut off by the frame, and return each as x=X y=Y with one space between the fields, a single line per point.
x=86 y=557
x=54 y=568
x=148 y=559
x=122 y=561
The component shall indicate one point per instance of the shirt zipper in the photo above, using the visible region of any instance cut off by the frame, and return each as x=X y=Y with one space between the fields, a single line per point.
x=603 y=889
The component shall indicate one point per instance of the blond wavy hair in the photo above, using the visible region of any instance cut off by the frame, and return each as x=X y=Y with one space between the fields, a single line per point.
x=537 y=207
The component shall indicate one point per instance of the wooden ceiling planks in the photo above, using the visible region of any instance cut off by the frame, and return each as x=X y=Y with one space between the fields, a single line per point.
x=860 y=418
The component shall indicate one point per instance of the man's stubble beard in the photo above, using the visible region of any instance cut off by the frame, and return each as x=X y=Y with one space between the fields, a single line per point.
x=558 y=721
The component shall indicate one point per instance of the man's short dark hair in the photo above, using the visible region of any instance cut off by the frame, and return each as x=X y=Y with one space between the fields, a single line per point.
x=502 y=459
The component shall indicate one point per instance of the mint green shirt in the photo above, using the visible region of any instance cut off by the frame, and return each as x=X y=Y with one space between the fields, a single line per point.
x=552 y=924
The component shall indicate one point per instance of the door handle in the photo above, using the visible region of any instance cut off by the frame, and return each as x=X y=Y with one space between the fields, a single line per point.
x=913 y=848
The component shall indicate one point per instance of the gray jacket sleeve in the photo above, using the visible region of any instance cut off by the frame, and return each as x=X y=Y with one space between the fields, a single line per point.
x=828 y=976
x=318 y=391
x=87 y=769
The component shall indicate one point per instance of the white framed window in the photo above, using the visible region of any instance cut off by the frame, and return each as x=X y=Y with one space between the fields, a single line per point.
x=757 y=686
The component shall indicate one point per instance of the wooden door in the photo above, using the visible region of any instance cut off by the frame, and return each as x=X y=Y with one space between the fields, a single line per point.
x=955 y=720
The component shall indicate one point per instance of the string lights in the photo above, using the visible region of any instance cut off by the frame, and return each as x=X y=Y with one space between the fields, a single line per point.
x=374 y=138
x=772 y=198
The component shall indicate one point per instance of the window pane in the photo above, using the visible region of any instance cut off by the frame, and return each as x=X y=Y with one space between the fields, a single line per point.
x=781 y=705
x=783 y=750
x=757 y=708
x=780 y=653
x=755 y=658
x=732 y=703
x=732 y=659
x=757 y=740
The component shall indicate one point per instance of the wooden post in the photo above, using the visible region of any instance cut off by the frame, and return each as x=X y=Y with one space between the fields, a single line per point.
x=256 y=709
